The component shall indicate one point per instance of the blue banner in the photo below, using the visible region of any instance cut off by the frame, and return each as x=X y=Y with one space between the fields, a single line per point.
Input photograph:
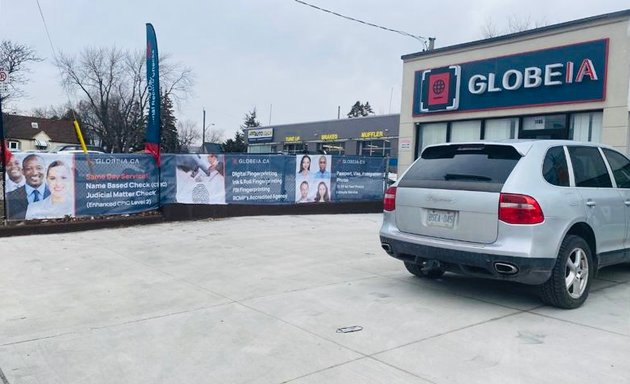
x=115 y=184
x=50 y=186
x=566 y=74
x=259 y=179
x=359 y=178
x=168 y=178
x=152 y=137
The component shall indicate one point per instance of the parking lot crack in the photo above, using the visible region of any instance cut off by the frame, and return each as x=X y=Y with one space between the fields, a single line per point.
x=3 y=378
x=445 y=333
x=579 y=324
x=39 y=338
x=354 y=361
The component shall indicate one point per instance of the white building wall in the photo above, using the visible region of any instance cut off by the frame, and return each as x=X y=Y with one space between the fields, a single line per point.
x=616 y=106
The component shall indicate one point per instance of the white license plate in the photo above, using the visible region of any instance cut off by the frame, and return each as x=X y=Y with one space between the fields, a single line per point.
x=438 y=218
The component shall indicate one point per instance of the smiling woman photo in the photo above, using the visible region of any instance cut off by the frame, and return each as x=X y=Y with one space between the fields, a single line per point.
x=322 y=195
x=305 y=166
x=60 y=203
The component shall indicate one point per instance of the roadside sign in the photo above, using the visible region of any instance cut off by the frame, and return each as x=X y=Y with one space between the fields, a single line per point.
x=4 y=81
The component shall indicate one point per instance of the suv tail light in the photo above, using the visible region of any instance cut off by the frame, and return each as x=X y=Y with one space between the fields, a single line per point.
x=389 y=201
x=519 y=209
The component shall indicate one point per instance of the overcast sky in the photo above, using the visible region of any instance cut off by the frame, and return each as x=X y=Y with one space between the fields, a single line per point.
x=291 y=62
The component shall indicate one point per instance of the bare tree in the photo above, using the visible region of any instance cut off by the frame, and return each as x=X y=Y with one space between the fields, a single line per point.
x=115 y=93
x=14 y=59
x=54 y=112
x=515 y=23
x=187 y=133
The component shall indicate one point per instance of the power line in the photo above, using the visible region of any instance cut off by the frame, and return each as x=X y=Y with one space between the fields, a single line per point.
x=421 y=39
x=74 y=116
x=54 y=53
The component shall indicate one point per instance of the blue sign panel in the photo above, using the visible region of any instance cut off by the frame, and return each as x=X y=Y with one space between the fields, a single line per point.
x=567 y=74
x=358 y=178
x=259 y=179
x=109 y=184
x=168 y=179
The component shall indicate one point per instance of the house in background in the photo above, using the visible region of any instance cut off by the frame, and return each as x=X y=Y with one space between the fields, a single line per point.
x=25 y=133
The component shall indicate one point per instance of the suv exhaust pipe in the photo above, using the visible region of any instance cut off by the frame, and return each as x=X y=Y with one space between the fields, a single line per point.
x=505 y=268
x=387 y=248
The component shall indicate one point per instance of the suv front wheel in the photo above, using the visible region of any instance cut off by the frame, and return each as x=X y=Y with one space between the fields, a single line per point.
x=571 y=277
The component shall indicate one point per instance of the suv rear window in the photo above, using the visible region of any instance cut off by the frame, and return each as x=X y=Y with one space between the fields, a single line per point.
x=475 y=167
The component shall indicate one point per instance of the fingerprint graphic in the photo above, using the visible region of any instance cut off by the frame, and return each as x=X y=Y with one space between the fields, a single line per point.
x=200 y=194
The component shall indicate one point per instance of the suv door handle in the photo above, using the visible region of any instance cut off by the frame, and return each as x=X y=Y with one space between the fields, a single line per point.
x=591 y=203
x=627 y=203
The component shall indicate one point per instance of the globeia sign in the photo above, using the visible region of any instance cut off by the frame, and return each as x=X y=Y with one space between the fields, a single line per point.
x=567 y=74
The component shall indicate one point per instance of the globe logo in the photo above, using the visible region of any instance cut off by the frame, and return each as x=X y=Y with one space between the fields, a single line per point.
x=438 y=87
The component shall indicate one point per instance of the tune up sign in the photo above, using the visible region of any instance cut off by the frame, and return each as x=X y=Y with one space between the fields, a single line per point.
x=572 y=73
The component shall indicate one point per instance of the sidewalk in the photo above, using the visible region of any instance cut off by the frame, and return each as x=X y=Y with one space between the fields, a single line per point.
x=261 y=299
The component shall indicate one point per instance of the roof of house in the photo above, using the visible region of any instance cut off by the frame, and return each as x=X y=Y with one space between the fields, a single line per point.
x=22 y=128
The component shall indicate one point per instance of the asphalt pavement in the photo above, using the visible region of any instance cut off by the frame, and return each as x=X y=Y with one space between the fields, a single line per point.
x=284 y=299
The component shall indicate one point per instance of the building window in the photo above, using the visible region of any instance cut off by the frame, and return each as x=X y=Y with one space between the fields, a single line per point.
x=332 y=147
x=586 y=127
x=462 y=131
x=41 y=144
x=545 y=127
x=375 y=148
x=501 y=129
x=14 y=145
x=260 y=148
x=535 y=123
x=294 y=148
x=430 y=134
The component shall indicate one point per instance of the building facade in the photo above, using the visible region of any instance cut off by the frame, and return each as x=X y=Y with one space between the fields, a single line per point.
x=563 y=81
x=364 y=136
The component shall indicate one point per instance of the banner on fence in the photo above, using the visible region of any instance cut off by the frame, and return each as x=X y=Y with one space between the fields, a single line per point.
x=111 y=184
x=40 y=186
x=46 y=186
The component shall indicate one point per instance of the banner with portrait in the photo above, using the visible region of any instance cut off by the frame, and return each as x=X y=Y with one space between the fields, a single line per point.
x=49 y=186
x=40 y=186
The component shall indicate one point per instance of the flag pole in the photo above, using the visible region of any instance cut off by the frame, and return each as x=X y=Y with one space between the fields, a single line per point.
x=5 y=156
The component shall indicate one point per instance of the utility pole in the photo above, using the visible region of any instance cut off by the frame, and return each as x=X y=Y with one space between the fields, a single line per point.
x=3 y=161
x=203 y=133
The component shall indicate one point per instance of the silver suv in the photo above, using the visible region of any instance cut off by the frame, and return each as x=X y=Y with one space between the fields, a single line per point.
x=548 y=213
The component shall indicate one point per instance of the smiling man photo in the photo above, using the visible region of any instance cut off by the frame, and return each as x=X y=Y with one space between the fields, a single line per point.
x=34 y=189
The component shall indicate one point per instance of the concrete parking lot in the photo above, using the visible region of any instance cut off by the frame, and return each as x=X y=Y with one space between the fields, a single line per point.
x=261 y=300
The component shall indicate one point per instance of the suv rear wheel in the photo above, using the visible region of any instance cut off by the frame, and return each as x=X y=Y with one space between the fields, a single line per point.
x=571 y=277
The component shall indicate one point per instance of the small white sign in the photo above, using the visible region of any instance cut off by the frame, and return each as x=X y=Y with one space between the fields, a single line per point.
x=4 y=80
x=261 y=134
x=405 y=144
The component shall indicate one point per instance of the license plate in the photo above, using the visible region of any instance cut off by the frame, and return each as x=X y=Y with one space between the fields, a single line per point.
x=438 y=218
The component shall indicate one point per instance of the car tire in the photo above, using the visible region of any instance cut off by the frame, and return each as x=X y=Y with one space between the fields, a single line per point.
x=576 y=262
x=419 y=271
